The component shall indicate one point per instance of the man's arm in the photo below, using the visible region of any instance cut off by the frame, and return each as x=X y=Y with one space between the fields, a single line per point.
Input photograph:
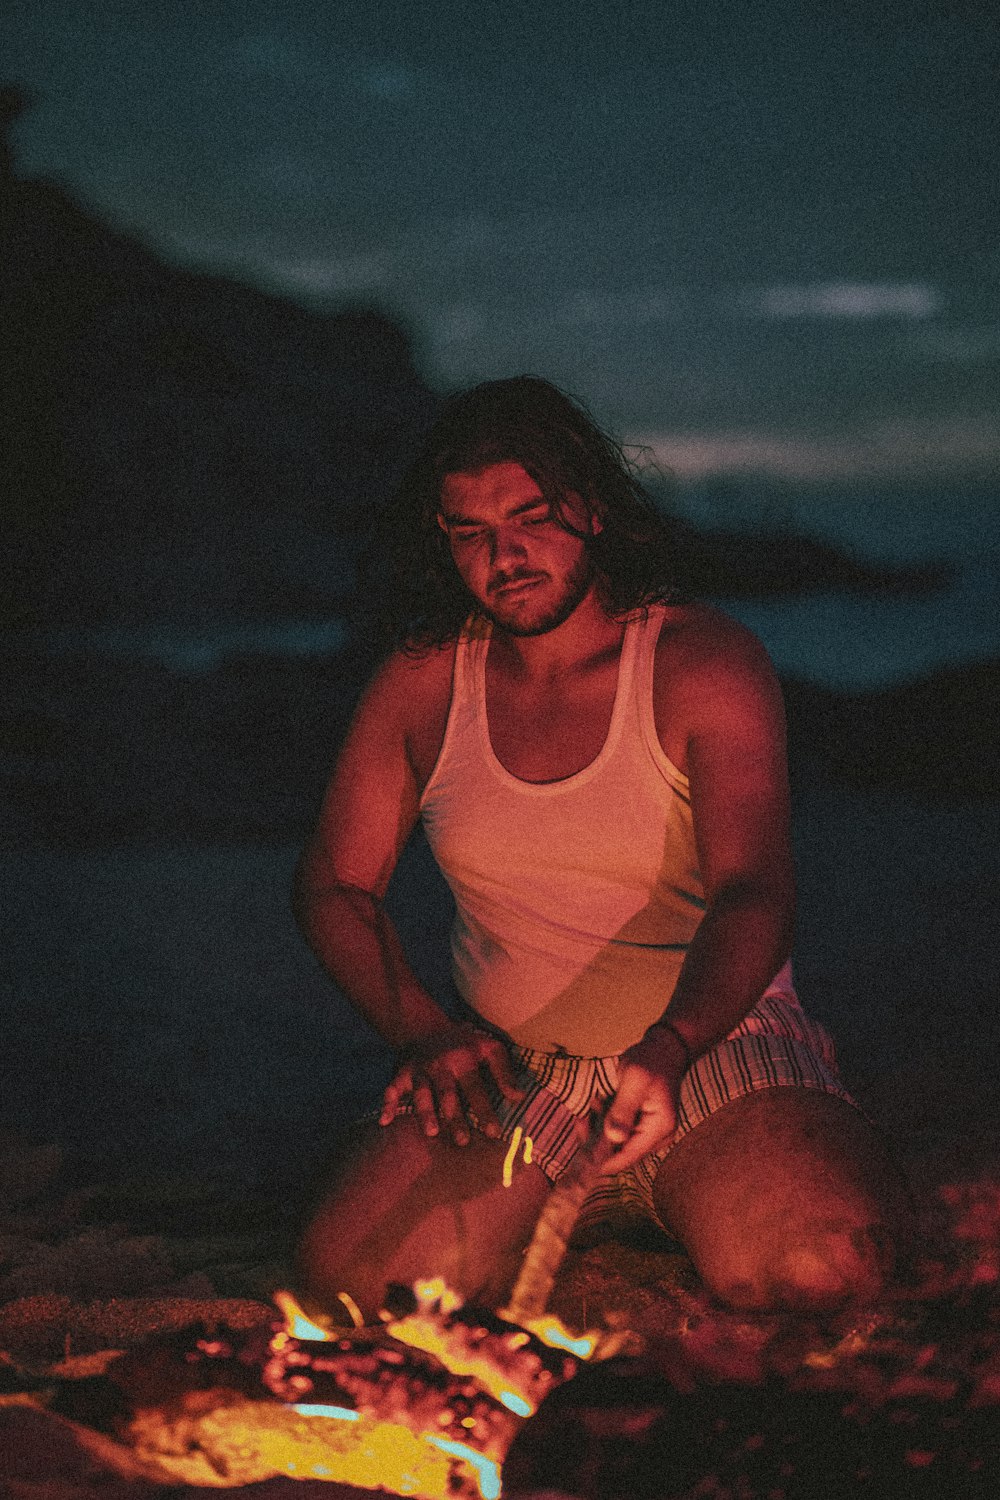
x=368 y=813
x=736 y=764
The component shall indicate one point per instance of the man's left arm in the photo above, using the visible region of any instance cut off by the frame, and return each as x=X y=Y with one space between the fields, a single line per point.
x=737 y=770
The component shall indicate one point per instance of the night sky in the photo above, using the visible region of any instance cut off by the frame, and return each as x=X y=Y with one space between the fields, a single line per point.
x=762 y=239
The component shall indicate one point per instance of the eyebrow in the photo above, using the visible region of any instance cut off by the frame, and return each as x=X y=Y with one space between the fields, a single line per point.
x=453 y=518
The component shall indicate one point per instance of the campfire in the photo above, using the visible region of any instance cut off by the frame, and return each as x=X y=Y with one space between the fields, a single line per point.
x=425 y=1405
x=446 y=1400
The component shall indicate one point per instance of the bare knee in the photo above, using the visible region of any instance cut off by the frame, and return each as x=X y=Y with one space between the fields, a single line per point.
x=354 y=1228
x=410 y=1208
x=326 y=1277
x=817 y=1267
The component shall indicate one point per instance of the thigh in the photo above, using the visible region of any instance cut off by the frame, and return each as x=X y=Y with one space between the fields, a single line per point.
x=403 y=1206
x=784 y=1197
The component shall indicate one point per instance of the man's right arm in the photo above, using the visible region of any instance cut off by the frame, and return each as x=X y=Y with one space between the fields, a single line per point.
x=368 y=813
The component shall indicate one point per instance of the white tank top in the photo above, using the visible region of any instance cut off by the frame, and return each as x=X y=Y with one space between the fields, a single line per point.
x=576 y=899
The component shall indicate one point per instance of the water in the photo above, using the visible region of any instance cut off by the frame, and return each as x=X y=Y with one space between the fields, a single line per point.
x=853 y=642
x=840 y=640
x=843 y=640
x=190 y=650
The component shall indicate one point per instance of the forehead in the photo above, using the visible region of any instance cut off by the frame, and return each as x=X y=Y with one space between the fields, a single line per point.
x=495 y=490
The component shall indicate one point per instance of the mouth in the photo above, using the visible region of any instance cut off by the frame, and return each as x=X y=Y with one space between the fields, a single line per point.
x=516 y=586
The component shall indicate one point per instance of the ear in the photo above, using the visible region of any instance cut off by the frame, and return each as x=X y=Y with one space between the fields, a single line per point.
x=596 y=523
x=442 y=522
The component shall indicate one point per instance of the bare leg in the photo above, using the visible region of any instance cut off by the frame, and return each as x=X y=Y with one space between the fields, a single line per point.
x=784 y=1199
x=408 y=1207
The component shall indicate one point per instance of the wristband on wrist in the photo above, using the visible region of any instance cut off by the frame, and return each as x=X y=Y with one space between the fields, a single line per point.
x=666 y=1025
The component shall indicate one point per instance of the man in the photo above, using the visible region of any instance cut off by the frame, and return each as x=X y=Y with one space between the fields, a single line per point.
x=600 y=771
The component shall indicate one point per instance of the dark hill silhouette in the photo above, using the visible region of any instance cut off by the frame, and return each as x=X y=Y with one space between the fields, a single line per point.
x=184 y=445
x=935 y=737
x=178 y=440
x=763 y=564
x=109 y=752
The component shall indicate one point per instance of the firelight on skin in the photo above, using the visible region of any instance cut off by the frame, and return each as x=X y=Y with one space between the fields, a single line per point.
x=512 y=549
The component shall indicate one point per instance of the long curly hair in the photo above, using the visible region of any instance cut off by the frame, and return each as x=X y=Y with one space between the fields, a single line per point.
x=419 y=594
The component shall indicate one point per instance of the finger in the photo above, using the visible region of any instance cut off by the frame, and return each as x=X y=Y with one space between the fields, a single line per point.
x=625 y=1107
x=652 y=1130
x=423 y=1105
x=394 y=1094
x=452 y=1114
x=497 y=1060
x=480 y=1106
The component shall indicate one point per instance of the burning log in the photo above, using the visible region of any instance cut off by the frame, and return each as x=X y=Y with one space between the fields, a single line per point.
x=426 y=1405
x=550 y=1241
x=900 y=1401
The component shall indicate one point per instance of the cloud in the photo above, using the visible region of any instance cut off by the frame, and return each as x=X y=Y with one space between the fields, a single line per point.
x=324 y=276
x=332 y=275
x=886 y=450
x=597 y=311
x=961 y=343
x=631 y=309
x=840 y=299
x=295 y=58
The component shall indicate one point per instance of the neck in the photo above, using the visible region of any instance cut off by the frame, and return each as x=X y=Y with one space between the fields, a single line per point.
x=589 y=632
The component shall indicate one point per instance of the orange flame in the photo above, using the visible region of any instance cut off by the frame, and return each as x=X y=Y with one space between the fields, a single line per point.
x=552 y=1331
x=381 y=1453
x=296 y=1322
x=512 y=1150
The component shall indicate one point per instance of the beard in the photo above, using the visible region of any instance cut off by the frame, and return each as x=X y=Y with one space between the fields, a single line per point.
x=538 y=615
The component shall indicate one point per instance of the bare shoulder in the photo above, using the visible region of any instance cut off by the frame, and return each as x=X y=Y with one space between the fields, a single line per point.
x=408 y=684
x=698 y=639
x=407 y=701
x=372 y=799
x=712 y=676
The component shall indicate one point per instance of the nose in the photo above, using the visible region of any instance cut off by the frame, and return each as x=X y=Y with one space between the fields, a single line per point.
x=506 y=547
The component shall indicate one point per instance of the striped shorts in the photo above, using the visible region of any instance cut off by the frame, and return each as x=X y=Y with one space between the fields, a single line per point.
x=776 y=1045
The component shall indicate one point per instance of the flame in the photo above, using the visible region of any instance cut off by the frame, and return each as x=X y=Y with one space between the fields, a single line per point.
x=515 y=1403
x=552 y=1331
x=372 y=1450
x=297 y=1324
x=487 y=1472
x=317 y=1409
x=512 y=1150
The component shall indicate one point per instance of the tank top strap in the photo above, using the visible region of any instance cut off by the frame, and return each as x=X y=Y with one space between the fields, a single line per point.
x=647 y=636
x=470 y=651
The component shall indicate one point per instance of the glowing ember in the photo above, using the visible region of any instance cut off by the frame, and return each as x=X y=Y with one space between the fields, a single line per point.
x=356 y=1315
x=511 y=1157
x=434 y=1294
x=296 y=1322
x=499 y=1359
x=900 y=1400
x=427 y=1405
x=555 y=1333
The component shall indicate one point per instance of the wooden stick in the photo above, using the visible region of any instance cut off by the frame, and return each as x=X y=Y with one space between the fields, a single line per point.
x=556 y=1223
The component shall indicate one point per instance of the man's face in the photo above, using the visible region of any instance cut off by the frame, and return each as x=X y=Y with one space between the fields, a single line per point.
x=524 y=569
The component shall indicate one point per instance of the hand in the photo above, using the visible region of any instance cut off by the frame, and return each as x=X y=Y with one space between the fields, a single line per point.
x=444 y=1076
x=643 y=1113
